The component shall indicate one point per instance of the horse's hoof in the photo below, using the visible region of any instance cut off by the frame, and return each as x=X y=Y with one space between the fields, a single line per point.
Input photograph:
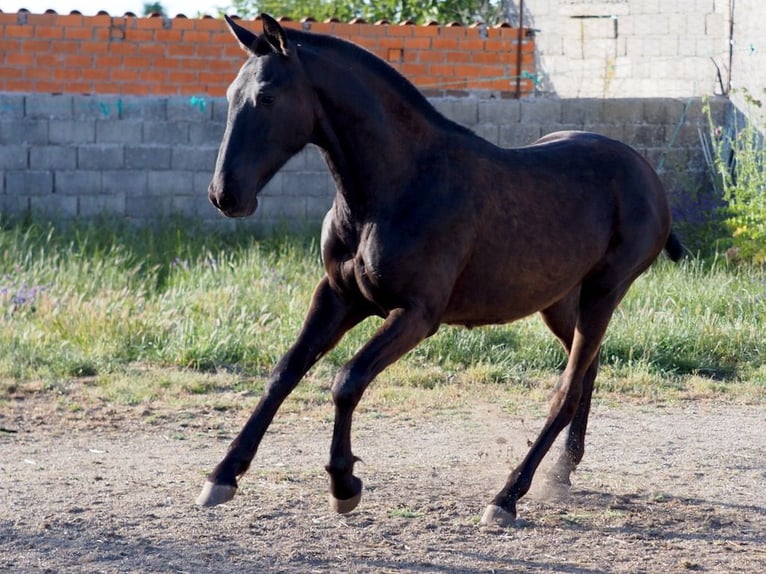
x=496 y=516
x=345 y=505
x=214 y=494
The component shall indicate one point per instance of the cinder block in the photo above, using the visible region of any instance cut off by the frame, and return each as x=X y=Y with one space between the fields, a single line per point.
x=79 y=182
x=53 y=157
x=490 y=132
x=295 y=163
x=14 y=156
x=644 y=136
x=48 y=106
x=146 y=208
x=170 y=183
x=129 y=182
x=284 y=208
x=201 y=182
x=119 y=131
x=54 y=207
x=220 y=109
x=11 y=106
x=189 y=109
x=13 y=205
x=95 y=205
x=174 y=133
x=305 y=184
x=71 y=131
x=24 y=131
x=96 y=107
x=543 y=110
x=195 y=158
x=101 y=156
x=622 y=110
x=499 y=112
x=314 y=159
x=317 y=207
x=275 y=186
x=663 y=110
x=28 y=182
x=147 y=157
x=206 y=133
x=143 y=108
x=464 y=111
x=520 y=134
x=582 y=112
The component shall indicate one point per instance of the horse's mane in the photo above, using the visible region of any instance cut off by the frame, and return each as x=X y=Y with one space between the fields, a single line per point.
x=379 y=68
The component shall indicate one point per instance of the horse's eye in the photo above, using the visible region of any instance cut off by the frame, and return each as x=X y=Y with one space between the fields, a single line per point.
x=264 y=99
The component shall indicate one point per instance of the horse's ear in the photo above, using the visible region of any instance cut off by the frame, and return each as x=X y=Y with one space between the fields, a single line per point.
x=274 y=34
x=245 y=37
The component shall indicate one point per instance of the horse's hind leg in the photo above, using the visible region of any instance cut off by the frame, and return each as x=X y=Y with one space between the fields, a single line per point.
x=561 y=319
x=596 y=304
x=328 y=319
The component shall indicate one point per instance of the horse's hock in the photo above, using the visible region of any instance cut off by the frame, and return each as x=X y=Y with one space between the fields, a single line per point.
x=145 y=158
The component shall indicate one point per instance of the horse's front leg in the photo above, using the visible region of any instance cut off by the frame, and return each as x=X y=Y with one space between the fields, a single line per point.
x=328 y=319
x=402 y=330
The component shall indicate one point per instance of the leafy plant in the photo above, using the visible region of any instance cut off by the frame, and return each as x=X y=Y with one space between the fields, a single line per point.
x=737 y=160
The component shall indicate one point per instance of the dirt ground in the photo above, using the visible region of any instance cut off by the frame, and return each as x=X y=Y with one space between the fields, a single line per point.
x=662 y=489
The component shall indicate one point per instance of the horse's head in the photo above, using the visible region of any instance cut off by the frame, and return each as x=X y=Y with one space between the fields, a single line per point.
x=271 y=118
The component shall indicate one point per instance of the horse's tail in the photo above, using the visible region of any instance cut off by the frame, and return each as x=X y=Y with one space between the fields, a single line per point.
x=674 y=248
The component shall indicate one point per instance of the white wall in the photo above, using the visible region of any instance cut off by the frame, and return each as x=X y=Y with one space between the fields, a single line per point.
x=635 y=48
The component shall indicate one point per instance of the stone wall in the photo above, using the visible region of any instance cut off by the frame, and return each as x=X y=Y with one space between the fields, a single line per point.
x=146 y=158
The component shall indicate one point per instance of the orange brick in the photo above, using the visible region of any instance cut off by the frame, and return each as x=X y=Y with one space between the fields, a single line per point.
x=34 y=46
x=399 y=30
x=216 y=91
x=18 y=32
x=213 y=24
x=463 y=71
x=472 y=44
x=175 y=50
x=78 y=33
x=66 y=74
x=107 y=61
x=69 y=20
x=154 y=76
x=106 y=88
x=431 y=56
x=48 y=87
x=148 y=23
x=15 y=59
x=77 y=61
x=37 y=73
x=168 y=36
x=93 y=47
x=139 y=35
x=440 y=70
x=425 y=31
x=49 y=32
x=182 y=77
x=123 y=48
x=413 y=70
x=78 y=88
x=211 y=51
x=422 y=43
x=10 y=18
x=119 y=75
x=182 y=23
x=216 y=78
x=456 y=57
x=137 y=62
x=195 y=36
x=441 y=43
x=49 y=60
x=64 y=47
x=452 y=31
x=153 y=49
x=100 y=74
x=17 y=86
x=135 y=89
x=11 y=73
x=10 y=46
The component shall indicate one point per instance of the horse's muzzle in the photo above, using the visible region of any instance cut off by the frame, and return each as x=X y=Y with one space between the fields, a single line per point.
x=230 y=204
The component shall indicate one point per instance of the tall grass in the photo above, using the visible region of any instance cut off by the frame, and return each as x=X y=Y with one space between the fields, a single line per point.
x=97 y=300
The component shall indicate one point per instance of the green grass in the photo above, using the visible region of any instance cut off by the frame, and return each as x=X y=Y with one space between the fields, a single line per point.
x=140 y=316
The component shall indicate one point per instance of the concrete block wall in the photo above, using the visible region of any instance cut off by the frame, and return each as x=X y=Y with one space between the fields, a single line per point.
x=145 y=158
x=635 y=48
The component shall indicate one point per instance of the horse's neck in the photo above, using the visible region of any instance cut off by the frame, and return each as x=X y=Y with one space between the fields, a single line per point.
x=369 y=134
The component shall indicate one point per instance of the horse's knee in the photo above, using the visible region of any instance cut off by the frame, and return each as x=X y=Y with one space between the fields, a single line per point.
x=346 y=389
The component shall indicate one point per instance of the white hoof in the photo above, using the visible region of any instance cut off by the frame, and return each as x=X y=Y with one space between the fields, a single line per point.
x=214 y=494
x=496 y=516
x=344 y=506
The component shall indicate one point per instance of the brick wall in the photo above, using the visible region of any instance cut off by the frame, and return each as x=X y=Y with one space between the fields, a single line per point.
x=143 y=158
x=74 y=54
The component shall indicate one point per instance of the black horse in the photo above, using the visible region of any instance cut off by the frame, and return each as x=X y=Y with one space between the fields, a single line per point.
x=431 y=224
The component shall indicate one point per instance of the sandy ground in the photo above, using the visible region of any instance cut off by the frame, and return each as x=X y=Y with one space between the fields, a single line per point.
x=662 y=489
